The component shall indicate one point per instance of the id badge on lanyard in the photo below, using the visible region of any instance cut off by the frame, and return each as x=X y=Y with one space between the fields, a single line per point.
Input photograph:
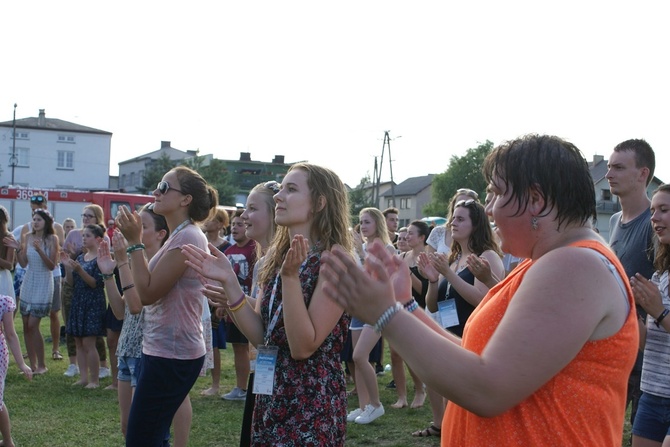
x=266 y=362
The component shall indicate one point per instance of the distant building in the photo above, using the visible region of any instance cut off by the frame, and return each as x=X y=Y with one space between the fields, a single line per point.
x=606 y=202
x=131 y=172
x=245 y=173
x=52 y=153
x=369 y=192
x=410 y=197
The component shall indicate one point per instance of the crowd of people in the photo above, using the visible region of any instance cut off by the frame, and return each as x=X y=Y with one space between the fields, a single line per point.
x=515 y=319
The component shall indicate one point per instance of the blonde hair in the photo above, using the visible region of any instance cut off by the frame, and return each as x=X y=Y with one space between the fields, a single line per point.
x=329 y=226
x=381 y=229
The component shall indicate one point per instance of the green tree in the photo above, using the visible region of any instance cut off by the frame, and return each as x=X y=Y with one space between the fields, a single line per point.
x=216 y=173
x=463 y=172
x=360 y=197
x=154 y=172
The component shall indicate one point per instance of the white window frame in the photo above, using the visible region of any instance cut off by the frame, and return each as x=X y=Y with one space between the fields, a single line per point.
x=68 y=139
x=65 y=160
x=22 y=157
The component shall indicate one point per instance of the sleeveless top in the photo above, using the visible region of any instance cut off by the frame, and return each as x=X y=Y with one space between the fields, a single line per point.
x=463 y=308
x=582 y=405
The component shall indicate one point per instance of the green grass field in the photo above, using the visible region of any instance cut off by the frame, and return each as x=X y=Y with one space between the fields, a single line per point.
x=49 y=411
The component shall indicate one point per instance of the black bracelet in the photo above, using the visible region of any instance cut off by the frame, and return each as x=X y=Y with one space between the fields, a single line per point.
x=129 y=286
x=660 y=318
x=105 y=276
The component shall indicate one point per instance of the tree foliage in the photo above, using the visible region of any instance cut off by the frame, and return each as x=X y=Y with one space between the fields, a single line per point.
x=360 y=197
x=154 y=172
x=215 y=173
x=463 y=172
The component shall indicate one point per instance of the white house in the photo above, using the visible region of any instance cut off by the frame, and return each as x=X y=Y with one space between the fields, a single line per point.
x=52 y=153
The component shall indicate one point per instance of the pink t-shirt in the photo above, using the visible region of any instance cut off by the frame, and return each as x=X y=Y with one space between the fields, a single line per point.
x=173 y=325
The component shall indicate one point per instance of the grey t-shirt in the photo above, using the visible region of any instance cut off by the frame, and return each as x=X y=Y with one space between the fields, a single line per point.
x=633 y=244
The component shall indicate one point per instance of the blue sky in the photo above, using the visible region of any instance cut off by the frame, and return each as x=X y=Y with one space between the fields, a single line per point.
x=322 y=81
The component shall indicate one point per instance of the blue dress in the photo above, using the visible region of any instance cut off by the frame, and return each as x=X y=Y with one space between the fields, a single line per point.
x=87 y=314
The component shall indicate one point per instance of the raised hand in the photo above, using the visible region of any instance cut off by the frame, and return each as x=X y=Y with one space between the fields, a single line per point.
x=10 y=242
x=130 y=225
x=427 y=267
x=441 y=263
x=364 y=293
x=295 y=256
x=120 y=244
x=647 y=295
x=216 y=266
x=105 y=262
x=479 y=266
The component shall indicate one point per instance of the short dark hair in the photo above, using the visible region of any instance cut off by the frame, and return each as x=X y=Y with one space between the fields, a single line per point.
x=644 y=154
x=390 y=210
x=424 y=229
x=554 y=166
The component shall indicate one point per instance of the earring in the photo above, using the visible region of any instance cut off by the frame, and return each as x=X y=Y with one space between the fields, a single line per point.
x=534 y=223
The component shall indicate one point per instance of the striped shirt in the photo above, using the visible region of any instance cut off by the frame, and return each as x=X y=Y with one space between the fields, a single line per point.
x=656 y=366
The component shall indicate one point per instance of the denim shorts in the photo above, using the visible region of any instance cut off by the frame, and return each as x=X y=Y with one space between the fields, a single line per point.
x=652 y=420
x=128 y=369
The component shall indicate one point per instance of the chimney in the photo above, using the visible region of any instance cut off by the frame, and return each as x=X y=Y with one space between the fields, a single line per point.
x=278 y=160
x=165 y=144
x=597 y=159
x=42 y=120
x=245 y=156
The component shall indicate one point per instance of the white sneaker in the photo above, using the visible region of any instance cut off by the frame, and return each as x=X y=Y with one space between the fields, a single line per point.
x=236 y=394
x=104 y=372
x=351 y=417
x=370 y=414
x=72 y=370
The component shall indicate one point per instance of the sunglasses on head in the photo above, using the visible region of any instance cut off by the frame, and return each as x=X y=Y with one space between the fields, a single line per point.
x=464 y=203
x=468 y=192
x=37 y=199
x=272 y=186
x=163 y=188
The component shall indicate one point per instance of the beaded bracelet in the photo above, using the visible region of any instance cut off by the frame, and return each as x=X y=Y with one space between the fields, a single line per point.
x=385 y=318
x=135 y=247
x=128 y=287
x=661 y=317
x=239 y=304
x=106 y=276
x=411 y=305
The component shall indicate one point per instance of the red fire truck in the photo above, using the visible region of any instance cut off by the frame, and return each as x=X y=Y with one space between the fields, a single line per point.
x=63 y=203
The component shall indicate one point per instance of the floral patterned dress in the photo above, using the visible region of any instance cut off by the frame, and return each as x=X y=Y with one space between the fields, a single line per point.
x=87 y=314
x=309 y=404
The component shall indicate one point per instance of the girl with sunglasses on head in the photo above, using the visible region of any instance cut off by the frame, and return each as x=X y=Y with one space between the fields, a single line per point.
x=303 y=399
x=39 y=250
x=259 y=220
x=439 y=240
x=173 y=346
x=451 y=280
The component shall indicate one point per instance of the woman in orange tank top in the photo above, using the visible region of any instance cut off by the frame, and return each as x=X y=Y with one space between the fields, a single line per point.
x=544 y=360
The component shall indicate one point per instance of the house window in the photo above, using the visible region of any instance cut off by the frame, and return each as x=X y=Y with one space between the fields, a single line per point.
x=21 y=135
x=132 y=179
x=606 y=194
x=65 y=160
x=405 y=203
x=66 y=139
x=22 y=157
x=122 y=181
